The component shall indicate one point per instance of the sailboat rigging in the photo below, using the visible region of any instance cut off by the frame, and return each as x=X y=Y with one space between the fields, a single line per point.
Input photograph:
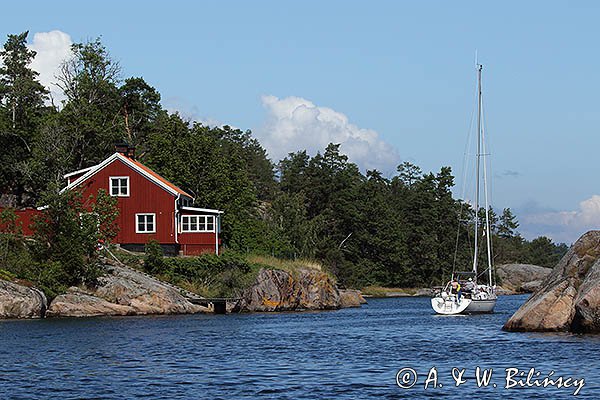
x=464 y=294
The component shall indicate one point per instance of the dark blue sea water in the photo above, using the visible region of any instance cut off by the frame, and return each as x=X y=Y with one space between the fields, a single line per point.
x=346 y=354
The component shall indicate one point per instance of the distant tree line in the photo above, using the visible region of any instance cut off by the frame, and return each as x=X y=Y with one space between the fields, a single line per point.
x=368 y=229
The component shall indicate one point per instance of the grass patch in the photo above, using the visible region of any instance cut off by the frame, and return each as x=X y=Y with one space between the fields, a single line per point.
x=7 y=276
x=290 y=266
x=378 y=291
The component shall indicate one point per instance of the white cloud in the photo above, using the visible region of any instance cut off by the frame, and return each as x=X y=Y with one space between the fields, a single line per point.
x=294 y=123
x=52 y=49
x=189 y=111
x=564 y=226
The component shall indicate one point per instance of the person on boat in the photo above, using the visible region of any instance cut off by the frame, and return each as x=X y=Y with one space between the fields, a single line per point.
x=469 y=286
x=455 y=285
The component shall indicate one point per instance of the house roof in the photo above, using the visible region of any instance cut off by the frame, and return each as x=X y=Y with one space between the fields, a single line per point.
x=135 y=165
x=158 y=177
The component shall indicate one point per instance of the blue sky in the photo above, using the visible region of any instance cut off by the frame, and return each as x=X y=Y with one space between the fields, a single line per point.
x=392 y=81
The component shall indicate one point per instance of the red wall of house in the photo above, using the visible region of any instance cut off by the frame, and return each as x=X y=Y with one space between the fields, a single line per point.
x=73 y=178
x=197 y=243
x=145 y=196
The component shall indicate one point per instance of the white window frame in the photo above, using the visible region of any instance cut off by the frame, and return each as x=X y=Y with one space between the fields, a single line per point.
x=137 y=226
x=195 y=220
x=110 y=186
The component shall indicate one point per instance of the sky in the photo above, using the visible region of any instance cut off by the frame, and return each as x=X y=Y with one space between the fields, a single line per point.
x=392 y=81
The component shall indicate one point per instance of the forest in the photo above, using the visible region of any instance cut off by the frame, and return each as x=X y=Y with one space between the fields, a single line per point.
x=366 y=228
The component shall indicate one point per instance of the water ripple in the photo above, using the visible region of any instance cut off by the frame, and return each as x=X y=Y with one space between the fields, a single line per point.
x=347 y=354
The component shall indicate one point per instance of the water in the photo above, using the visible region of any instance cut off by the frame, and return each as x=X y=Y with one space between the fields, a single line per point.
x=347 y=354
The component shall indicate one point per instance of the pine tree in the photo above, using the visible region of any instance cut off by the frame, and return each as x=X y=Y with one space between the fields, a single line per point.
x=22 y=99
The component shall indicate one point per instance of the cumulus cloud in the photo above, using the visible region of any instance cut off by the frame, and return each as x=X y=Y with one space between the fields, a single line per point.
x=563 y=226
x=52 y=49
x=294 y=123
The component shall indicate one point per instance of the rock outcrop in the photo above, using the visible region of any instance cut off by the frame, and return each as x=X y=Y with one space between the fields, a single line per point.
x=78 y=303
x=306 y=289
x=423 y=292
x=350 y=298
x=122 y=291
x=569 y=298
x=18 y=301
x=521 y=278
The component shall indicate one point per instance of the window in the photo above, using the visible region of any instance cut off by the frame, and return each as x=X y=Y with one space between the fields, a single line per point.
x=145 y=223
x=119 y=186
x=197 y=223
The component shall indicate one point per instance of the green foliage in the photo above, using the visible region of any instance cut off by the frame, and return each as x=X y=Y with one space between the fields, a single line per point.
x=21 y=112
x=90 y=80
x=153 y=261
x=21 y=95
x=508 y=224
x=139 y=109
x=541 y=251
x=210 y=275
x=63 y=250
x=67 y=234
x=105 y=212
x=7 y=276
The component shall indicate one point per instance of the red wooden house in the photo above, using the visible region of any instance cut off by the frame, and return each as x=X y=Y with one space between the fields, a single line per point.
x=150 y=207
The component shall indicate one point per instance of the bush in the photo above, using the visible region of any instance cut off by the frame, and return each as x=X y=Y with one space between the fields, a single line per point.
x=63 y=250
x=210 y=275
x=153 y=262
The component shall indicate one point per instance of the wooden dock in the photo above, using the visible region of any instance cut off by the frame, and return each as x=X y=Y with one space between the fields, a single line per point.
x=217 y=304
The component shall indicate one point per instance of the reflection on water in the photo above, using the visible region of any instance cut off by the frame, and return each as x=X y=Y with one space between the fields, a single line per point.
x=351 y=353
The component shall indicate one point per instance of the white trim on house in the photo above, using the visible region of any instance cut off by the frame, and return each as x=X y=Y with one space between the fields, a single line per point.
x=127 y=162
x=119 y=194
x=81 y=171
x=203 y=210
x=198 y=223
x=145 y=223
x=90 y=173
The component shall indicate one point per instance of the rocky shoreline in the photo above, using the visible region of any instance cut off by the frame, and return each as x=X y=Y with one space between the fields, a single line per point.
x=569 y=298
x=515 y=278
x=520 y=278
x=125 y=291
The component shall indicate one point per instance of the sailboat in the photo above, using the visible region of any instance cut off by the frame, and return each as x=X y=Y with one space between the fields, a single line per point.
x=468 y=292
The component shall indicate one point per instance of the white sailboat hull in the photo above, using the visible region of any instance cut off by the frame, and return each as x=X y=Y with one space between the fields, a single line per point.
x=481 y=306
x=449 y=305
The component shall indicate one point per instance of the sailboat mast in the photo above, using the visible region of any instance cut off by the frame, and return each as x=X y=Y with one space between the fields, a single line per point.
x=478 y=157
x=488 y=236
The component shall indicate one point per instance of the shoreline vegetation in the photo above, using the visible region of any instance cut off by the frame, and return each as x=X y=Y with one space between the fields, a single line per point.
x=365 y=229
x=144 y=284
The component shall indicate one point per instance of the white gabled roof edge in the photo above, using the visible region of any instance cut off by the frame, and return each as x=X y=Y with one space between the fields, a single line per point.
x=81 y=171
x=109 y=160
x=91 y=172
x=206 y=210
